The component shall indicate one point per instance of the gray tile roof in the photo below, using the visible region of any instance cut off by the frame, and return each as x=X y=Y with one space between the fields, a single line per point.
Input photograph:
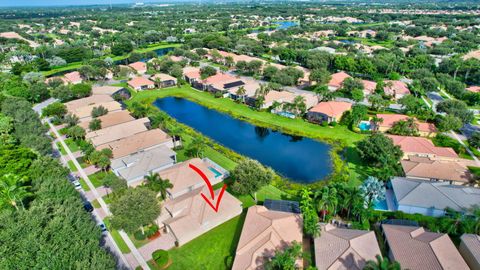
x=135 y=166
x=439 y=195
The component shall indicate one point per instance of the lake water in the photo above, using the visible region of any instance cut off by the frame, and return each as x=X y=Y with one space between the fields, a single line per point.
x=285 y=24
x=300 y=159
x=159 y=52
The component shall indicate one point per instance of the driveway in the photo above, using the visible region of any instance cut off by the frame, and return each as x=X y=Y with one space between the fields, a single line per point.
x=39 y=107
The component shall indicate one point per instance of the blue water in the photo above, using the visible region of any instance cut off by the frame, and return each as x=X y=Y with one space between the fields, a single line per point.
x=215 y=172
x=381 y=205
x=285 y=25
x=300 y=159
x=364 y=126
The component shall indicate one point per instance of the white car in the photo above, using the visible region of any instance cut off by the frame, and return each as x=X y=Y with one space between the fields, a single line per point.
x=77 y=185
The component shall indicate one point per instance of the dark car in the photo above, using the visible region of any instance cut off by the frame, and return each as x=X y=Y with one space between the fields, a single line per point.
x=88 y=207
x=103 y=227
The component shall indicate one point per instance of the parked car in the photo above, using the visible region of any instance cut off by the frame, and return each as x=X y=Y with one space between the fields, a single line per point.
x=103 y=227
x=88 y=206
x=77 y=185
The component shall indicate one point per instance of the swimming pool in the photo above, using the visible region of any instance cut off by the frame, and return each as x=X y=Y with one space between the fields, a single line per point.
x=381 y=205
x=217 y=173
x=364 y=125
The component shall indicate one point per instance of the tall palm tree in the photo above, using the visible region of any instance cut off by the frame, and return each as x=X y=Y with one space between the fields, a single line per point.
x=382 y=263
x=157 y=184
x=241 y=93
x=12 y=192
x=198 y=144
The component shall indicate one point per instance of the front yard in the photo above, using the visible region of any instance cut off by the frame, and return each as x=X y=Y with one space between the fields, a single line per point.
x=213 y=250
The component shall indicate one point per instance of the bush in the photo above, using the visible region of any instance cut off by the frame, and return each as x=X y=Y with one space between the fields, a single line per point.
x=161 y=257
x=324 y=123
x=445 y=141
x=151 y=231
x=139 y=235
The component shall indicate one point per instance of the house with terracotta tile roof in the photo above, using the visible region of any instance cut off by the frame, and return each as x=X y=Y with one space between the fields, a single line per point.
x=330 y=111
x=219 y=82
x=396 y=89
x=73 y=77
x=250 y=87
x=138 y=142
x=368 y=87
x=110 y=90
x=418 y=146
x=264 y=233
x=109 y=119
x=117 y=132
x=87 y=101
x=424 y=129
x=470 y=250
x=189 y=216
x=341 y=248
x=141 y=83
x=84 y=113
x=185 y=179
x=336 y=81
x=417 y=249
x=191 y=74
x=474 y=89
x=413 y=196
x=139 y=67
x=163 y=80
x=423 y=168
x=277 y=96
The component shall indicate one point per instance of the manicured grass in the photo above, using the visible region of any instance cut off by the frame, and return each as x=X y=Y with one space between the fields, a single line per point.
x=61 y=149
x=97 y=178
x=211 y=250
x=84 y=185
x=267 y=192
x=117 y=238
x=72 y=145
x=261 y=118
x=95 y=204
x=71 y=166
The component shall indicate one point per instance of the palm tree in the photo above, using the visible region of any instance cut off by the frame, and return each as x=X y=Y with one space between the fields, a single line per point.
x=241 y=93
x=12 y=192
x=299 y=105
x=382 y=263
x=327 y=201
x=157 y=184
x=375 y=123
x=198 y=145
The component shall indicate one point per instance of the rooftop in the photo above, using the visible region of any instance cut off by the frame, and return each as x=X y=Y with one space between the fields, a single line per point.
x=264 y=232
x=135 y=166
x=440 y=194
x=337 y=79
x=416 y=249
x=105 y=90
x=338 y=248
x=139 y=82
x=421 y=146
x=136 y=142
x=120 y=131
x=91 y=100
x=416 y=167
x=332 y=108
x=110 y=119
x=390 y=119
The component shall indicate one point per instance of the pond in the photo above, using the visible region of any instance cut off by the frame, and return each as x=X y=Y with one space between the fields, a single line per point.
x=159 y=52
x=300 y=159
x=285 y=24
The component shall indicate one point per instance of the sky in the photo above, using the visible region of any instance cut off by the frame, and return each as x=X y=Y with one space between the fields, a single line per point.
x=12 y=3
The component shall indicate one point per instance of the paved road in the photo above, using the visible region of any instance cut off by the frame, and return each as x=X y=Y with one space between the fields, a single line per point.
x=39 y=107
x=141 y=261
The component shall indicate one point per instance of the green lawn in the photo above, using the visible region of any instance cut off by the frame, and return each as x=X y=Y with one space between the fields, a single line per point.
x=61 y=149
x=97 y=178
x=84 y=185
x=267 y=192
x=71 y=166
x=211 y=250
x=294 y=126
x=117 y=238
x=72 y=145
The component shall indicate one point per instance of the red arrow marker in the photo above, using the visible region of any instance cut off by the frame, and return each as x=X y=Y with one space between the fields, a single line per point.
x=210 y=188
